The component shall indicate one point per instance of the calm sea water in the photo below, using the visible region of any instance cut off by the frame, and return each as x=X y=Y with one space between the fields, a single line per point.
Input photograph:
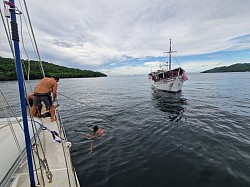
x=198 y=137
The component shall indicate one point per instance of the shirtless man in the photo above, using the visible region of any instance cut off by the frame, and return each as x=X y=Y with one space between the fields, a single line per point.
x=42 y=94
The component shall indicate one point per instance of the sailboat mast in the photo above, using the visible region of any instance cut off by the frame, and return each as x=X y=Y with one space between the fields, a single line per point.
x=170 y=50
x=15 y=38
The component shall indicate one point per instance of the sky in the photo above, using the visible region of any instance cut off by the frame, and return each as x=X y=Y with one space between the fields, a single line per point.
x=129 y=37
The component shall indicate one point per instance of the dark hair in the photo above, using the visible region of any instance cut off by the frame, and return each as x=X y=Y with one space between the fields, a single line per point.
x=55 y=77
x=95 y=128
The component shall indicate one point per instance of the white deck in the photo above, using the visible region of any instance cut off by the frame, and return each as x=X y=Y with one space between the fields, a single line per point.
x=54 y=153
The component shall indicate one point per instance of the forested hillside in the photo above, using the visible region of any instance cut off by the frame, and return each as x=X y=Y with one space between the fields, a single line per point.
x=8 y=71
x=233 y=68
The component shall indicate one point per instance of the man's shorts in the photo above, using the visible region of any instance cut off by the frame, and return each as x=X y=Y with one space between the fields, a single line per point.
x=42 y=97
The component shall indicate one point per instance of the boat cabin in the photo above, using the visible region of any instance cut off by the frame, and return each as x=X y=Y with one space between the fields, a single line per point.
x=161 y=74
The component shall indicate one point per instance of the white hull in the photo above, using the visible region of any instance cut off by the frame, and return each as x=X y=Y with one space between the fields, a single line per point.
x=14 y=169
x=173 y=84
x=170 y=80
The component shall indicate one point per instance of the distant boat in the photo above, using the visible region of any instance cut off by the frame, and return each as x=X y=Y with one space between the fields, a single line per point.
x=170 y=80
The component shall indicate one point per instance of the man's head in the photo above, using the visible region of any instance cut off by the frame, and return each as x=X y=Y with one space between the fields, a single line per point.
x=55 y=77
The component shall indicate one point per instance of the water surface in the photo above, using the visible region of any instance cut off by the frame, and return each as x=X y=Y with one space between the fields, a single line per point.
x=198 y=137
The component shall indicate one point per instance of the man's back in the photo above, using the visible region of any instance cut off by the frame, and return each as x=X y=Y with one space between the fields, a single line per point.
x=46 y=85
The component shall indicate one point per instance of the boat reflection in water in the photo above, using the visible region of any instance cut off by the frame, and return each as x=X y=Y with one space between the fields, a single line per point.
x=171 y=103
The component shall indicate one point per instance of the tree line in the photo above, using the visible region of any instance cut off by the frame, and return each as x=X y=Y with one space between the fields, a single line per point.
x=8 y=70
x=239 y=67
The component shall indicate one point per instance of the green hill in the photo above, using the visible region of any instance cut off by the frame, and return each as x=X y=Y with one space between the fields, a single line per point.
x=239 y=67
x=8 y=70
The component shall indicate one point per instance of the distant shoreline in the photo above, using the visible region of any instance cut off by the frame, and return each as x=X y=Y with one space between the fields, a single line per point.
x=239 y=67
x=8 y=70
x=60 y=78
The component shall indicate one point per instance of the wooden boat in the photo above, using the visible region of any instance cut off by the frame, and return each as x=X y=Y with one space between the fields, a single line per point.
x=170 y=80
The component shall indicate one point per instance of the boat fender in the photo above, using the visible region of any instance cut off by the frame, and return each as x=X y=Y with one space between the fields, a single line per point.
x=69 y=144
x=49 y=176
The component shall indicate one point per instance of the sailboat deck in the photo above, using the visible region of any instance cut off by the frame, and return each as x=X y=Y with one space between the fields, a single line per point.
x=57 y=155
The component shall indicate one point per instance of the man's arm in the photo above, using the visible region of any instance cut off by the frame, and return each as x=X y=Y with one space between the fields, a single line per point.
x=55 y=90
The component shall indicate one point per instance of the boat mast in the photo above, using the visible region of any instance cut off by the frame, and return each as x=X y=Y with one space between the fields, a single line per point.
x=15 y=38
x=169 y=68
x=170 y=55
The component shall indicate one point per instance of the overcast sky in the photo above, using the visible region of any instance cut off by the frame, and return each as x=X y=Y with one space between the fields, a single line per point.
x=130 y=37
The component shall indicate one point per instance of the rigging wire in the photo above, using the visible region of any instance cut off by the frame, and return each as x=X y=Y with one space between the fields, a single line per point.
x=10 y=109
x=41 y=67
x=176 y=57
x=73 y=99
x=7 y=30
x=62 y=131
x=32 y=43
x=27 y=56
x=60 y=126
x=11 y=126
x=34 y=39
x=34 y=132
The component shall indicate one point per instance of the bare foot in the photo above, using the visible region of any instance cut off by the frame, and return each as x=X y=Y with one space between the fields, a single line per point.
x=53 y=119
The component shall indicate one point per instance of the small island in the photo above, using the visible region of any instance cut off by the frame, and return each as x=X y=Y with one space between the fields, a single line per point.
x=239 y=67
x=8 y=70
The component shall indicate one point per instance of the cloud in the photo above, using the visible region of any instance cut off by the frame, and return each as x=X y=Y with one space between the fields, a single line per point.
x=122 y=36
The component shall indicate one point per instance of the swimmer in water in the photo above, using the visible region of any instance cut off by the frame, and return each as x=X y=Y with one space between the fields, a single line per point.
x=97 y=132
